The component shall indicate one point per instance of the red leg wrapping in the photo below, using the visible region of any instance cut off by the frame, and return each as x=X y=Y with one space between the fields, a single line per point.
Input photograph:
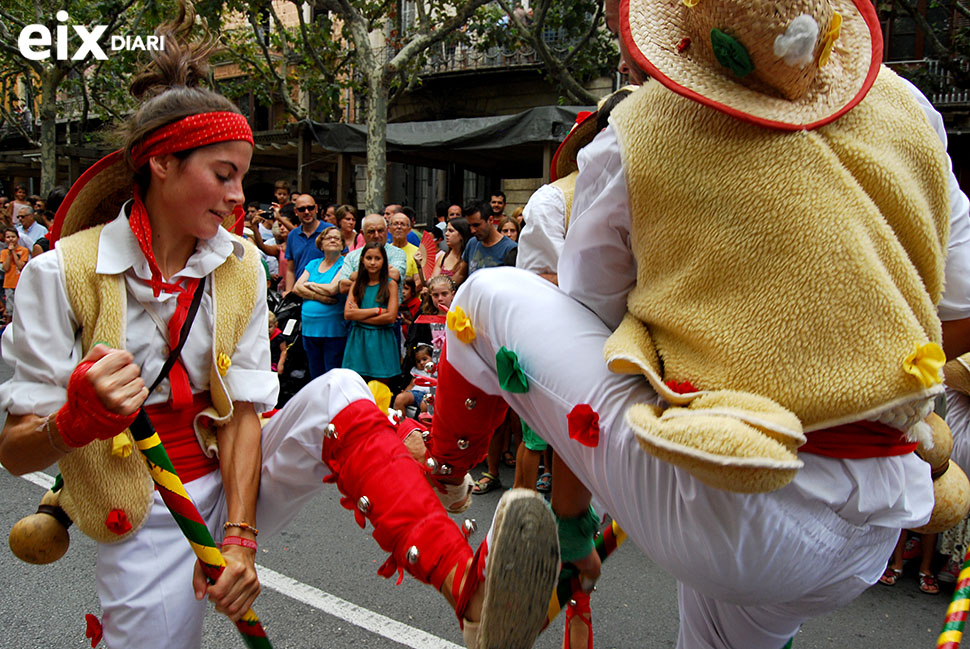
x=371 y=462
x=464 y=416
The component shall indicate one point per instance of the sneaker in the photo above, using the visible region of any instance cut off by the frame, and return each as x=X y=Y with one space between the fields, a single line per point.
x=521 y=567
x=950 y=572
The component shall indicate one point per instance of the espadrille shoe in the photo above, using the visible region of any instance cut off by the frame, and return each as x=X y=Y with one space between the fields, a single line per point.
x=521 y=557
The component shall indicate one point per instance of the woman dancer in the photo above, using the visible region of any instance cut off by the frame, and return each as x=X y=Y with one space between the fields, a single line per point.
x=115 y=297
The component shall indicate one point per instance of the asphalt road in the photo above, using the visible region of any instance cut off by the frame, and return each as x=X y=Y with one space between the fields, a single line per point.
x=321 y=590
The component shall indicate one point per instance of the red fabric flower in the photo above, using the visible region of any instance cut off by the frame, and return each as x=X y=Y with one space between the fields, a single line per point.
x=584 y=425
x=117 y=522
x=681 y=388
x=94 y=630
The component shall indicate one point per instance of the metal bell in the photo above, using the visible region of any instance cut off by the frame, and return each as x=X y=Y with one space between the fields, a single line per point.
x=470 y=403
x=363 y=505
x=331 y=432
x=432 y=464
x=444 y=469
x=413 y=554
x=469 y=527
x=463 y=444
x=425 y=434
x=572 y=602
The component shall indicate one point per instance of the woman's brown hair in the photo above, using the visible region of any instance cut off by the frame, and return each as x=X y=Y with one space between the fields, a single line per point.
x=169 y=84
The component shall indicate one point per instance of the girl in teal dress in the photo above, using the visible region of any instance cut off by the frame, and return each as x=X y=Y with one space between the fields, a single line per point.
x=372 y=302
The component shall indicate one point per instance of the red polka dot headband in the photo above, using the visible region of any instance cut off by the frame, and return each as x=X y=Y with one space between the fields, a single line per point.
x=192 y=132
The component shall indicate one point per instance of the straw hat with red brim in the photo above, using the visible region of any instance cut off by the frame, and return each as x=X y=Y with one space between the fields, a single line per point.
x=581 y=134
x=786 y=65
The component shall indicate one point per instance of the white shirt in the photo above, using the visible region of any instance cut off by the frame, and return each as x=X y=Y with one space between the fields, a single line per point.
x=31 y=234
x=541 y=241
x=43 y=346
x=598 y=269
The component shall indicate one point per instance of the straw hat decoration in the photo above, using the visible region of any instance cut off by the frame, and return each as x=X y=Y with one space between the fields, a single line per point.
x=786 y=65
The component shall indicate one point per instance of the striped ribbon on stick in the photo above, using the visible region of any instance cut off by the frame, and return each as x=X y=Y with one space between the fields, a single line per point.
x=605 y=543
x=189 y=520
x=956 y=614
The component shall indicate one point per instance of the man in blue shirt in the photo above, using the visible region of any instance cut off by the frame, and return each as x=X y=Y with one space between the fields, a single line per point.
x=301 y=244
x=489 y=246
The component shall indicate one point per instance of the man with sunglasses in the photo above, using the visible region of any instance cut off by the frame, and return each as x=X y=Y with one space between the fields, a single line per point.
x=300 y=243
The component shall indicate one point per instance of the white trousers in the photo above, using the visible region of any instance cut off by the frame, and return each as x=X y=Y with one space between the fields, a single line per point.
x=145 y=582
x=751 y=567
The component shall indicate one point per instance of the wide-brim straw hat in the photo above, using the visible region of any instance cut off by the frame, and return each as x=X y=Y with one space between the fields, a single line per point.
x=581 y=134
x=97 y=195
x=786 y=65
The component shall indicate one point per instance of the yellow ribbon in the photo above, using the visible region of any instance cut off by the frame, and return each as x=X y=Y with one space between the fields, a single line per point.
x=925 y=364
x=458 y=322
x=222 y=364
x=828 y=41
x=121 y=445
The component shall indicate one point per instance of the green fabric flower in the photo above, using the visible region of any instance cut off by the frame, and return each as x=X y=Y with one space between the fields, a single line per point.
x=510 y=374
x=730 y=53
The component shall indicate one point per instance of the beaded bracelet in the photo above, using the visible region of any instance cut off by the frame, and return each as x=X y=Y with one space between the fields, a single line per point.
x=240 y=541
x=242 y=526
x=576 y=534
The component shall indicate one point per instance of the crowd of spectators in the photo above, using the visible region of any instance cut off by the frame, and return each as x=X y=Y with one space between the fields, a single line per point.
x=25 y=221
x=362 y=282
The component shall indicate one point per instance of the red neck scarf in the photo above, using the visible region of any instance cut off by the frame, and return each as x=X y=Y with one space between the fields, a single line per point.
x=189 y=133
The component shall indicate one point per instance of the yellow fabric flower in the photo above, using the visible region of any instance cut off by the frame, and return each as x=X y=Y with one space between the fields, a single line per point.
x=121 y=445
x=828 y=41
x=222 y=364
x=458 y=322
x=690 y=3
x=925 y=364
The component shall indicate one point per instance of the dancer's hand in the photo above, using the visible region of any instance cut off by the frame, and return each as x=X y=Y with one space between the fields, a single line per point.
x=589 y=570
x=104 y=394
x=116 y=379
x=238 y=586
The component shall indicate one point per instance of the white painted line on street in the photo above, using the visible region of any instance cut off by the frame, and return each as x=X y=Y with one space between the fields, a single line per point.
x=361 y=617
x=40 y=479
x=324 y=602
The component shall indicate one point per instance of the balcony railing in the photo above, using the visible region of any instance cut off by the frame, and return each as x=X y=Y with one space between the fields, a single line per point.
x=944 y=92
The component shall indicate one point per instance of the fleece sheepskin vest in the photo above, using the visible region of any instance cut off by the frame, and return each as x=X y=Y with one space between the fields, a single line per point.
x=109 y=477
x=804 y=267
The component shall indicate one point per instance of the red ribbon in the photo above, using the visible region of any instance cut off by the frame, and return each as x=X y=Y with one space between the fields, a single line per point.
x=117 y=521
x=94 y=630
x=584 y=425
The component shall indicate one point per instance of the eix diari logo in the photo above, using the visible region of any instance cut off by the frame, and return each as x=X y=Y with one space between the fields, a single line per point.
x=33 y=37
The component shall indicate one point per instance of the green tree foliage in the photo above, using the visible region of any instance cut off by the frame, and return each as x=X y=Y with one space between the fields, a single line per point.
x=568 y=35
x=945 y=26
x=76 y=90
x=303 y=66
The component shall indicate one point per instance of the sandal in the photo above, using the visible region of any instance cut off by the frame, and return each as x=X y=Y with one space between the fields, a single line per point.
x=544 y=483
x=928 y=584
x=890 y=576
x=508 y=459
x=486 y=483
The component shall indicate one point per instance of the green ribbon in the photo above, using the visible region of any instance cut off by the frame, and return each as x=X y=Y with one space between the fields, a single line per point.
x=510 y=375
x=730 y=53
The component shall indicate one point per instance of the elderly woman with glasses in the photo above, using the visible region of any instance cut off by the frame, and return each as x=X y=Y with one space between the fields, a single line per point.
x=324 y=329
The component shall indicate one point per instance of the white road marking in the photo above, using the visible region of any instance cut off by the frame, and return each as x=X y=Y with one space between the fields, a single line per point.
x=325 y=602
